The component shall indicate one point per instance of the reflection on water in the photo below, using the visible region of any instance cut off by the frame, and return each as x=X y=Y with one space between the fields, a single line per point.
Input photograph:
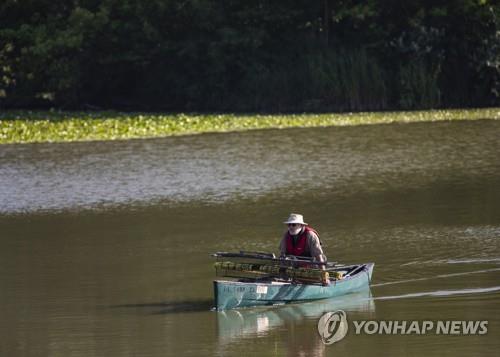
x=249 y=323
x=235 y=325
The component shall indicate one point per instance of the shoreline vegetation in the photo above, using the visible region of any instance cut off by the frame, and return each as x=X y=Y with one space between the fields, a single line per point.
x=229 y=56
x=58 y=126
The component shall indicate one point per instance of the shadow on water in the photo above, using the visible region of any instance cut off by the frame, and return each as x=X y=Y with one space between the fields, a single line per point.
x=168 y=307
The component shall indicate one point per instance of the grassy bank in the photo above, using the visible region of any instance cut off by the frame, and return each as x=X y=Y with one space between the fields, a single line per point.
x=49 y=126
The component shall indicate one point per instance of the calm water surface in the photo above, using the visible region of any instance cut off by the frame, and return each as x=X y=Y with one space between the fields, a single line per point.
x=104 y=247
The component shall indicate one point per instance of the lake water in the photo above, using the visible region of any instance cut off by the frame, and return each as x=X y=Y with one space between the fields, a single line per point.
x=104 y=247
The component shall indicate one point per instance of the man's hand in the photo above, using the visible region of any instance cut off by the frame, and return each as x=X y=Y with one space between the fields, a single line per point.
x=325 y=278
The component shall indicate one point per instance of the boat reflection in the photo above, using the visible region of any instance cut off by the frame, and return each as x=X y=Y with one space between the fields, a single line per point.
x=258 y=322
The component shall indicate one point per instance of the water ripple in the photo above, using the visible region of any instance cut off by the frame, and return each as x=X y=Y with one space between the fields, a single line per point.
x=440 y=276
x=221 y=167
x=441 y=293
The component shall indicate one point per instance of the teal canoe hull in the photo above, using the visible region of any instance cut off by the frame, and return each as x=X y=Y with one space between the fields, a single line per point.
x=235 y=294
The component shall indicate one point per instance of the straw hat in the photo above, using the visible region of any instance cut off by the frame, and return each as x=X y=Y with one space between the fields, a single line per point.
x=295 y=218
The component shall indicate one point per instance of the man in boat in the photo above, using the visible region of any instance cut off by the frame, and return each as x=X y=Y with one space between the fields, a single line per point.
x=301 y=240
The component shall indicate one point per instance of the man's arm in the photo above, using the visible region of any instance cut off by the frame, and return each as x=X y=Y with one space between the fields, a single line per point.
x=315 y=248
x=317 y=253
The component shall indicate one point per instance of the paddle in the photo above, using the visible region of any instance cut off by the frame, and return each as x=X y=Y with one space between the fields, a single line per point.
x=288 y=260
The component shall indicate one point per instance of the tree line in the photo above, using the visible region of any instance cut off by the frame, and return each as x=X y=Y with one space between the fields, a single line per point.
x=249 y=55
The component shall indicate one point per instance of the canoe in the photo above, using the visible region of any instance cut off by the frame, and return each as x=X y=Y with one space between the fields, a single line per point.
x=230 y=294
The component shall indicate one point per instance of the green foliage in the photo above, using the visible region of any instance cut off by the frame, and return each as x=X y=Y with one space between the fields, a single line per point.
x=347 y=80
x=419 y=86
x=225 y=55
x=54 y=126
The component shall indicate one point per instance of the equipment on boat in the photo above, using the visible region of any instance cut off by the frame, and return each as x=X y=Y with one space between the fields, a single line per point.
x=242 y=270
x=263 y=279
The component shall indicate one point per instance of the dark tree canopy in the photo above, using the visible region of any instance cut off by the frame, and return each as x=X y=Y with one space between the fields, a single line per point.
x=252 y=55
